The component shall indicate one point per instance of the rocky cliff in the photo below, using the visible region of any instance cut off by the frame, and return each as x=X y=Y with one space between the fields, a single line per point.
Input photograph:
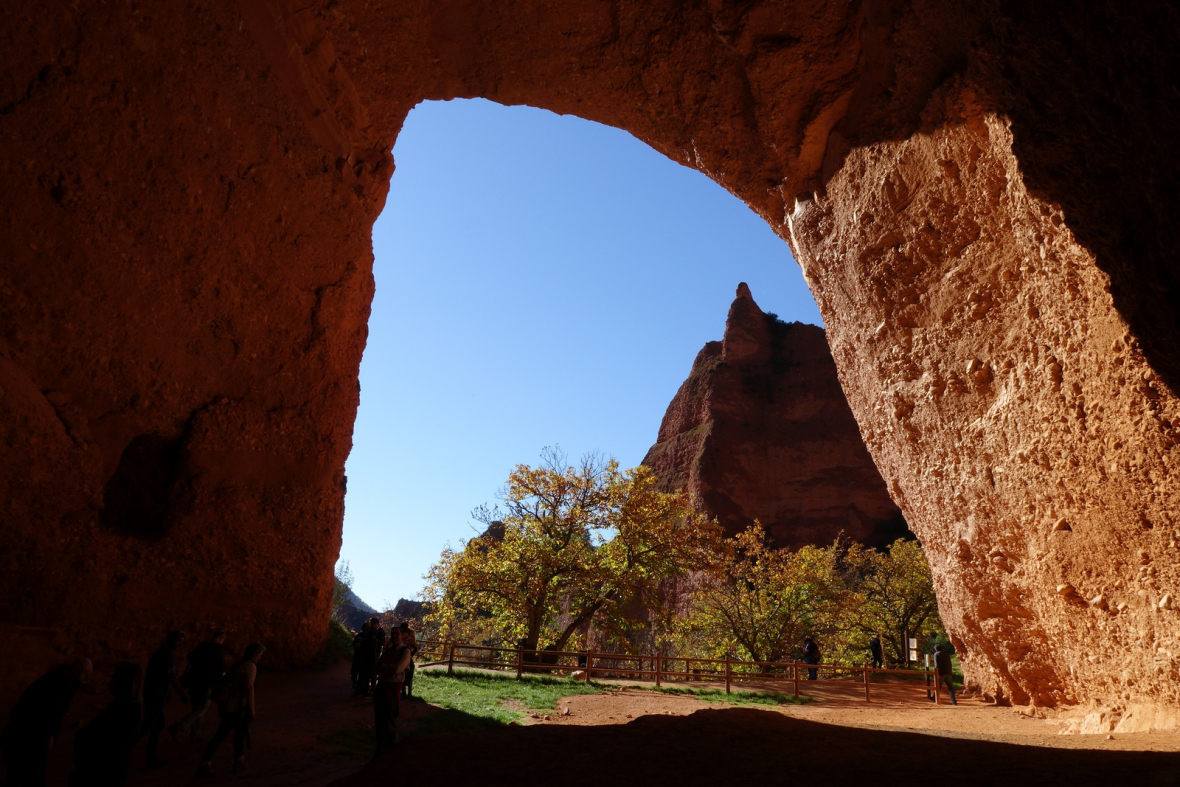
x=760 y=430
x=981 y=197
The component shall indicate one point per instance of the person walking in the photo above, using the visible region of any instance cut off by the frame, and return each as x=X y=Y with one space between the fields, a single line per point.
x=159 y=679
x=946 y=675
x=206 y=666
x=410 y=640
x=811 y=655
x=358 y=643
x=875 y=649
x=391 y=675
x=102 y=749
x=237 y=710
x=35 y=722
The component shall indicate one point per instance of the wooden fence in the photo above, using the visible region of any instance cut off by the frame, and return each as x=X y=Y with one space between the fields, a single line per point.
x=661 y=669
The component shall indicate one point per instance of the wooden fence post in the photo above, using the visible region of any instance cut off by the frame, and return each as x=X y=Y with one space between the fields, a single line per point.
x=451 y=660
x=519 y=661
x=728 y=674
x=795 y=671
x=589 y=662
x=937 y=688
x=658 y=670
x=867 y=697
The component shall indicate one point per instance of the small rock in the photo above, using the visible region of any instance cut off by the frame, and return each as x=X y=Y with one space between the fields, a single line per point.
x=1110 y=737
x=1065 y=590
x=1099 y=601
x=548 y=717
x=1061 y=524
x=565 y=711
x=629 y=716
x=1166 y=601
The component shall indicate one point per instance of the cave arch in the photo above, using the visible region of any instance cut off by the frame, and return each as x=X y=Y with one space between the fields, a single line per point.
x=193 y=189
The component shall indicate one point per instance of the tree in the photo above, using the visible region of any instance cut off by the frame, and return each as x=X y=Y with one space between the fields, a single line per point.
x=896 y=593
x=762 y=602
x=343 y=587
x=570 y=545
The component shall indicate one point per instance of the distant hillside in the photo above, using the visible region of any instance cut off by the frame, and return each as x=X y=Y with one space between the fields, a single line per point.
x=353 y=612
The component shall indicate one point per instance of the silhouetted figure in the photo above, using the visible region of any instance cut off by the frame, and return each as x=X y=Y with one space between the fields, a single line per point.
x=811 y=655
x=410 y=640
x=391 y=676
x=102 y=749
x=35 y=721
x=237 y=710
x=206 y=666
x=159 y=679
x=875 y=649
x=358 y=643
x=946 y=675
x=371 y=646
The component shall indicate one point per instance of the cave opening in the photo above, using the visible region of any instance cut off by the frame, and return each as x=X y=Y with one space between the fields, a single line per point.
x=540 y=280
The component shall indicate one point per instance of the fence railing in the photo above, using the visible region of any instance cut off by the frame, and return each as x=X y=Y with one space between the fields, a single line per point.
x=586 y=665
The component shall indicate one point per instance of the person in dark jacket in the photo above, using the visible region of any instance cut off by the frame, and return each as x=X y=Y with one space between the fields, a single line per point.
x=35 y=722
x=102 y=749
x=358 y=644
x=875 y=649
x=942 y=665
x=811 y=655
x=206 y=665
x=237 y=711
x=159 y=679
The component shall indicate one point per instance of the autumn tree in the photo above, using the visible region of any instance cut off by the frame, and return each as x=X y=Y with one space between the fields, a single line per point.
x=568 y=544
x=761 y=602
x=895 y=592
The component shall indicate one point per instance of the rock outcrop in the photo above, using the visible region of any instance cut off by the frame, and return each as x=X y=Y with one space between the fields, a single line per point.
x=980 y=196
x=761 y=430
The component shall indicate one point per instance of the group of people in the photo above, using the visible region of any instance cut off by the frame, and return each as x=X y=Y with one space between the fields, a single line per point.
x=384 y=668
x=103 y=747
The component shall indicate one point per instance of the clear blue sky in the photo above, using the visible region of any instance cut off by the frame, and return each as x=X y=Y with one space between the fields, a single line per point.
x=541 y=280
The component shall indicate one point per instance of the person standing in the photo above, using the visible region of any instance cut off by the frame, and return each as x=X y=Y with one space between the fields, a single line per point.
x=237 y=711
x=206 y=666
x=370 y=651
x=102 y=749
x=358 y=644
x=875 y=649
x=410 y=640
x=946 y=675
x=35 y=722
x=391 y=676
x=159 y=679
x=811 y=655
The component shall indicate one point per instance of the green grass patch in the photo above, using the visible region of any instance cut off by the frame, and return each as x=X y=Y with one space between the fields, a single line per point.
x=482 y=694
x=737 y=697
x=470 y=701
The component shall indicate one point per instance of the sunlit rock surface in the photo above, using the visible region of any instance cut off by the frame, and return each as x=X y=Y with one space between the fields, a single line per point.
x=761 y=431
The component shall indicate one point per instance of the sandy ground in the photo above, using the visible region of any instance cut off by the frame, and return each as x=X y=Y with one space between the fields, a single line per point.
x=642 y=737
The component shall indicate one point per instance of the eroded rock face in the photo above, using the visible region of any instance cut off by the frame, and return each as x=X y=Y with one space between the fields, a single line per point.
x=981 y=198
x=761 y=431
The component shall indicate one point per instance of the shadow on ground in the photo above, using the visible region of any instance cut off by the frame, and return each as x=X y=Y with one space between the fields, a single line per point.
x=747 y=746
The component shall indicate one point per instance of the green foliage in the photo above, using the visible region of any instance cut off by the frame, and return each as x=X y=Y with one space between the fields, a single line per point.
x=483 y=694
x=337 y=647
x=574 y=544
x=762 y=602
x=895 y=596
x=342 y=587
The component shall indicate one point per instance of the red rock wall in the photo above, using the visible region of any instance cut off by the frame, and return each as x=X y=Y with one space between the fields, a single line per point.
x=980 y=196
x=761 y=431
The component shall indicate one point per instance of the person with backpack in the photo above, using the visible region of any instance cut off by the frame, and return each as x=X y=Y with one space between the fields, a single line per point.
x=235 y=695
x=946 y=675
x=391 y=675
x=811 y=655
x=102 y=749
x=206 y=665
